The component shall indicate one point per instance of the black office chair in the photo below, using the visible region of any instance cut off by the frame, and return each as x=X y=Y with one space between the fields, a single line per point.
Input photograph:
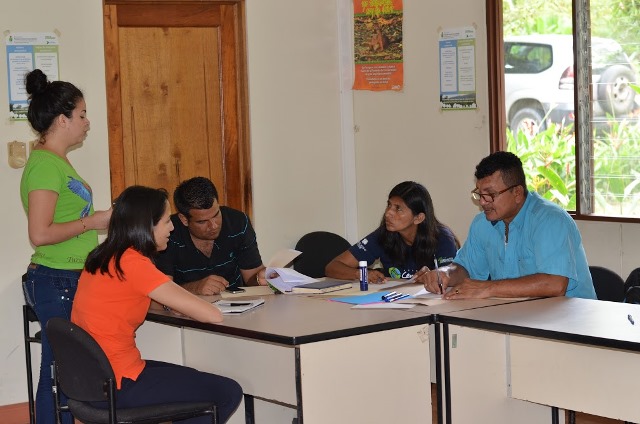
x=83 y=373
x=29 y=316
x=632 y=287
x=609 y=285
x=318 y=249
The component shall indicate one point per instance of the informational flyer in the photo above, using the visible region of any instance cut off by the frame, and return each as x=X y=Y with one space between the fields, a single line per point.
x=458 y=68
x=27 y=51
x=377 y=46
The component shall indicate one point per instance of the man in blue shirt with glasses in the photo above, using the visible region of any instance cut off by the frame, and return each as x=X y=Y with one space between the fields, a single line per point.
x=520 y=245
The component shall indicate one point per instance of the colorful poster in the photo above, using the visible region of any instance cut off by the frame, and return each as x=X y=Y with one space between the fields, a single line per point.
x=378 y=45
x=27 y=51
x=458 y=69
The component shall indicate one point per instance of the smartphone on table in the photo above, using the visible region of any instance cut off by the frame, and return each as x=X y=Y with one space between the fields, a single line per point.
x=234 y=289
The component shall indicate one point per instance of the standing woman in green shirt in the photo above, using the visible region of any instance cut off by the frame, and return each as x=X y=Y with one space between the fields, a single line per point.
x=61 y=220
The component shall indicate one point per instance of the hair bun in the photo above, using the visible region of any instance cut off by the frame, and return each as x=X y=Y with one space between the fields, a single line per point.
x=36 y=82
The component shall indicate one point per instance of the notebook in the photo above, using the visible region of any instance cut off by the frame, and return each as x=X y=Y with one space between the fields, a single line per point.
x=228 y=306
x=325 y=286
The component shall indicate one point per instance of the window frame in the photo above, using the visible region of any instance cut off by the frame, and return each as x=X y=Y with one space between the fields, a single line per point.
x=582 y=98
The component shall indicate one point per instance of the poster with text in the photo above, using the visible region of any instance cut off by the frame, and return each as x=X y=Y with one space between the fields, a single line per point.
x=458 y=69
x=27 y=51
x=377 y=46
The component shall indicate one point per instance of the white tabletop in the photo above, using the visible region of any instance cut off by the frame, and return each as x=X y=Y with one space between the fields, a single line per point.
x=586 y=321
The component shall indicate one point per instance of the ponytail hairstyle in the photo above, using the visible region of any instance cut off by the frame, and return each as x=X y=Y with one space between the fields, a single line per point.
x=48 y=100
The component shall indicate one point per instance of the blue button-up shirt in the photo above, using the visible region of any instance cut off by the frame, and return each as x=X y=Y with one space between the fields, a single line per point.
x=543 y=238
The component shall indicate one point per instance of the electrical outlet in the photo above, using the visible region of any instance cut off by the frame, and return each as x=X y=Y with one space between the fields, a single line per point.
x=17 y=154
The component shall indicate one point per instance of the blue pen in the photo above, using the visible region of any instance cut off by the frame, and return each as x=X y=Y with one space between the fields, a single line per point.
x=404 y=296
x=394 y=297
x=388 y=295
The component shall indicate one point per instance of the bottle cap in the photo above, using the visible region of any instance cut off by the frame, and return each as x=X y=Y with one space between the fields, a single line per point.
x=362 y=263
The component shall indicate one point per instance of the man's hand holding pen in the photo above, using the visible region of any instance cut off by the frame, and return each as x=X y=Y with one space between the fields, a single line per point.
x=434 y=281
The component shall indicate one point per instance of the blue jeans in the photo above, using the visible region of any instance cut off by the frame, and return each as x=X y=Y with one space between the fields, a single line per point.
x=50 y=293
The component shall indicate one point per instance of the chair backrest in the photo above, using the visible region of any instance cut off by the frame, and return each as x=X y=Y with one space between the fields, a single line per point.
x=318 y=249
x=81 y=365
x=632 y=287
x=608 y=284
x=632 y=280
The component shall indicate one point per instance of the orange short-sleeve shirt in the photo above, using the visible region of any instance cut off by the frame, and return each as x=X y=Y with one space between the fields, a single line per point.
x=111 y=310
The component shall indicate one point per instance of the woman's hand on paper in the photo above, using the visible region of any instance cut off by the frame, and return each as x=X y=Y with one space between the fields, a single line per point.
x=376 y=277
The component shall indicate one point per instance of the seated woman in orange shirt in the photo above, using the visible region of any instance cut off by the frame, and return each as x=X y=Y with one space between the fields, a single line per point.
x=114 y=293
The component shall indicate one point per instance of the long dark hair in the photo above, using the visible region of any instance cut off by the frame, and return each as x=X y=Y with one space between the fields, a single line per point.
x=49 y=100
x=418 y=199
x=135 y=212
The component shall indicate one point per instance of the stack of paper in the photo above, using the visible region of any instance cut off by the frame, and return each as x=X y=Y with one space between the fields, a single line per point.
x=284 y=279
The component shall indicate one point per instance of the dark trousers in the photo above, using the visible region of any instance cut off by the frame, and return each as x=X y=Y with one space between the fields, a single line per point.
x=161 y=382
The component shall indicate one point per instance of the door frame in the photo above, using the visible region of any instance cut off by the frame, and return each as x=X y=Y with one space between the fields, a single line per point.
x=237 y=187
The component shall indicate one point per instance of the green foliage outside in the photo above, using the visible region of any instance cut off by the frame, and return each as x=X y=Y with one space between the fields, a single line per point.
x=617 y=19
x=549 y=156
x=549 y=163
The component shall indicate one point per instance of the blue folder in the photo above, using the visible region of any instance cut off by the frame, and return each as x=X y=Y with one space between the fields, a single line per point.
x=362 y=299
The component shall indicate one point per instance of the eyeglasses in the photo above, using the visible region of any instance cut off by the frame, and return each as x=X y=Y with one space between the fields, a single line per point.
x=489 y=197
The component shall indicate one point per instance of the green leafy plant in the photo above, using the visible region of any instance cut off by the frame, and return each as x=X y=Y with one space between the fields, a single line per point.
x=549 y=163
x=616 y=151
x=548 y=159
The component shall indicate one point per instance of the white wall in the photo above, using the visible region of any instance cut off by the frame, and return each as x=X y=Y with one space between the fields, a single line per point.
x=613 y=245
x=295 y=120
x=295 y=112
x=404 y=136
x=79 y=24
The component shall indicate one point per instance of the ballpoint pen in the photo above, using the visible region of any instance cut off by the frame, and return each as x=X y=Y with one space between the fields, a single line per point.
x=404 y=296
x=388 y=295
x=435 y=262
x=394 y=297
x=397 y=297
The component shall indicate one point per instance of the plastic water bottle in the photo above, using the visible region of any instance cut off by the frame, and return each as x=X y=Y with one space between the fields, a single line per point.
x=364 y=282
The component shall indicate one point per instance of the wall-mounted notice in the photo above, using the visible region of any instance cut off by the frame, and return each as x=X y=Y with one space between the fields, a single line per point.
x=458 y=68
x=378 y=54
x=27 y=51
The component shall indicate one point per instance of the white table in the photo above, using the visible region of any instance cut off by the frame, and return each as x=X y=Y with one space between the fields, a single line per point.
x=512 y=362
x=316 y=359
x=322 y=360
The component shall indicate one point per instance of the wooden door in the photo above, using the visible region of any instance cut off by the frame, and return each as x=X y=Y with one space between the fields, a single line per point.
x=177 y=95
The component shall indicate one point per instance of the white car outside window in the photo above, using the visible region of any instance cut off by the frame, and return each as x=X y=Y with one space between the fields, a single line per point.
x=539 y=81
